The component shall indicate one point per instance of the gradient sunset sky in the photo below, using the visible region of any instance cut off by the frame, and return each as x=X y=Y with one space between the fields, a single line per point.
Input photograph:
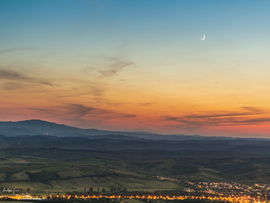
x=138 y=65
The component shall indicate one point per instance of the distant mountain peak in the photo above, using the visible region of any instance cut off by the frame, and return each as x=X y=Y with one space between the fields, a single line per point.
x=38 y=120
x=41 y=127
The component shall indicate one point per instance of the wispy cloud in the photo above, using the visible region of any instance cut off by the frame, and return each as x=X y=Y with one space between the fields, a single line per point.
x=78 y=111
x=38 y=109
x=87 y=89
x=146 y=104
x=244 y=116
x=12 y=85
x=108 y=102
x=113 y=66
x=18 y=77
x=17 y=49
x=9 y=74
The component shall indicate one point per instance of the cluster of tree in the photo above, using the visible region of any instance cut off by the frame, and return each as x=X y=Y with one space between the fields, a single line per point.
x=114 y=189
x=43 y=176
x=91 y=189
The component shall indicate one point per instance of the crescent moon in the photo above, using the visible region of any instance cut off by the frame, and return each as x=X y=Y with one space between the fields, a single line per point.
x=203 y=38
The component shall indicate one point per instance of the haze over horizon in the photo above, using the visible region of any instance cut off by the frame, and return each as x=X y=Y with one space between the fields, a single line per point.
x=138 y=65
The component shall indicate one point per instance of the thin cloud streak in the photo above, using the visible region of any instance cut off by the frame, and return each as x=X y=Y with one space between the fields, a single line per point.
x=38 y=109
x=115 y=68
x=115 y=65
x=221 y=119
x=4 y=74
x=17 y=49
x=146 y=104
x=12 y=85
x=78 y=111
x=16 y=76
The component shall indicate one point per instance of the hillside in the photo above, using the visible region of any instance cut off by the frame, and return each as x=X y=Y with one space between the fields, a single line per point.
x=49 y=175
x=129 y=147
x=77 y=159
x=40 y=127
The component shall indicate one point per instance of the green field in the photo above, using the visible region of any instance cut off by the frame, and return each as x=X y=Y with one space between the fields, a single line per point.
x=49 y=176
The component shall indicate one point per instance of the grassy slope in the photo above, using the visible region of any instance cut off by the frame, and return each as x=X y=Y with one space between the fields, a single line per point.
x=69 y=176
x=48 y=176
x=229 y=170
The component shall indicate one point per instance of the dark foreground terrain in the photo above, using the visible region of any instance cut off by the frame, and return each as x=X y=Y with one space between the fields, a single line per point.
x=68 y=175
x=122 y=162
x=50 y=140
